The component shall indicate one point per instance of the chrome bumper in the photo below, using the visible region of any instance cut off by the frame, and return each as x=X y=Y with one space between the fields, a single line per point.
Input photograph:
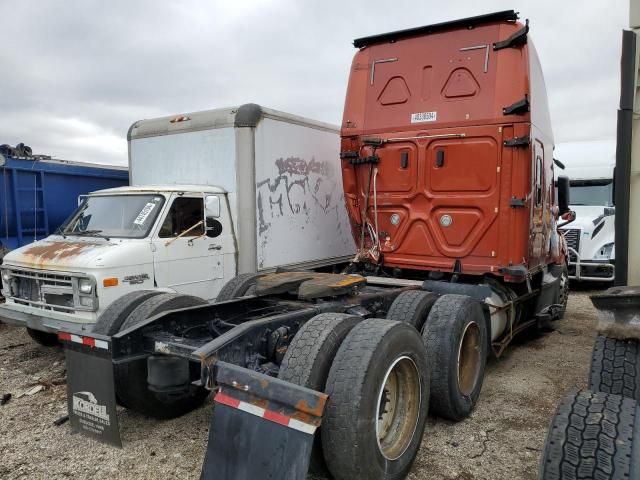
x=18 y=315
x=580 y=266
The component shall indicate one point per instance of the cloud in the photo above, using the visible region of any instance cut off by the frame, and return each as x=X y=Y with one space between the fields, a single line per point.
x=75 y=75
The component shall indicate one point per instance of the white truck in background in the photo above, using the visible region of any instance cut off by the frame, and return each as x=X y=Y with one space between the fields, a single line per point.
x=590 y=238
x=214 y=194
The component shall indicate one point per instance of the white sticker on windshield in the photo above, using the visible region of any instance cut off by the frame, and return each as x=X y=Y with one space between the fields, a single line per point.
x=144 y=213
x=424 y=117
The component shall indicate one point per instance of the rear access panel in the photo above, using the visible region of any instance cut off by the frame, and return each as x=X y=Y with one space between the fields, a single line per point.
x=453 y=204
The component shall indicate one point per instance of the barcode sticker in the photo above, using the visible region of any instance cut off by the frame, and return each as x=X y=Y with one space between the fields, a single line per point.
x=144 y=213
x=424 y=117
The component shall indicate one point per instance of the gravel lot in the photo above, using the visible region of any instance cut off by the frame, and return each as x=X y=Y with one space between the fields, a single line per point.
x=501 y=440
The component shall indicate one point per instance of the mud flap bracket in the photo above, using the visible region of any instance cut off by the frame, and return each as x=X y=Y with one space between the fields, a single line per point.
x=261 y=427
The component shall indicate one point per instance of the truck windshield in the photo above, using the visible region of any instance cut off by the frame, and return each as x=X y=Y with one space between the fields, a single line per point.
x=120 y=216
x=592 y=192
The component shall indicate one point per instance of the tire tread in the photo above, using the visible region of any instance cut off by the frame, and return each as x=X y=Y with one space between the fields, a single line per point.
x=614 y=367
x=590 y=437
x=412 y=307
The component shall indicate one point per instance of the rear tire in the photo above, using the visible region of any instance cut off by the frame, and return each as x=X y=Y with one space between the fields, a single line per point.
x=158 y=304
x=412 y=307
x=455 y=337
x=309 y=358
x=378 y=389
x=132 y=388
x=111 y=319
x=45 y=339
x=237 y=287
x=592 y=435
x=615 y=367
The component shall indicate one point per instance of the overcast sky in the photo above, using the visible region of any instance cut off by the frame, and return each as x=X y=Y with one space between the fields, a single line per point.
x=74 y=75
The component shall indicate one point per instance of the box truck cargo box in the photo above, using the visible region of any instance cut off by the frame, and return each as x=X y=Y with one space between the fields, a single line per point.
x=214 y=194
x=281 y=173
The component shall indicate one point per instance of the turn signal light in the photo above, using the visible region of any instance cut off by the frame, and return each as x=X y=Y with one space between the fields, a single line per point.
x=110 y=282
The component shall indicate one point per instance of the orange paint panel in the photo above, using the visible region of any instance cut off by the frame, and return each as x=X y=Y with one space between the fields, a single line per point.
x=396 y=91
x=436 y=101
x=463 y=222
x=469 y=165
x=398 y=168
x=418 y=240
x=461 y=83
x=427 y=82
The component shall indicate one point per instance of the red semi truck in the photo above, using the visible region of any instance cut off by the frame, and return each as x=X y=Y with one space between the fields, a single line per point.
x=449 y=183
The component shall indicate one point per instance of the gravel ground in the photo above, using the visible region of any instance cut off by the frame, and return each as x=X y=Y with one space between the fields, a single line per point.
x=501 y=440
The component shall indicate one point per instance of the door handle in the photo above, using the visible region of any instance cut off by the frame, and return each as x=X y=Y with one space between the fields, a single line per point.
x=215 y=247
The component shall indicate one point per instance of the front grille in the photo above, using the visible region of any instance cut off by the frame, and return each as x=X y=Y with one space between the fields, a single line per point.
x=49 y=291
x=572 y=236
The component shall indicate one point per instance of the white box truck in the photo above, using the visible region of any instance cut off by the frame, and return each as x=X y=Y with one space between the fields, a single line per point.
x=214 y=194
x=591 y=237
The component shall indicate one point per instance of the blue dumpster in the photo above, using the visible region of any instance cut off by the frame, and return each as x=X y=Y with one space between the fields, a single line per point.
x=38 y=194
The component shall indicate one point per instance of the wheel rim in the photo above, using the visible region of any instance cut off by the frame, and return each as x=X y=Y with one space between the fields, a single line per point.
x=469 y=359
x=564 y=289
x=398 y=408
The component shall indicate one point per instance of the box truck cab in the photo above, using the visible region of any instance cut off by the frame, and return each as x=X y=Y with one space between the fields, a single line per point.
x=590 y=237
x=215 y=194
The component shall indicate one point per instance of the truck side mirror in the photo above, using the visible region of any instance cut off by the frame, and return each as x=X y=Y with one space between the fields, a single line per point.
x=211 y=214
x=81 y=198
x=212 y=206
x=563 y=194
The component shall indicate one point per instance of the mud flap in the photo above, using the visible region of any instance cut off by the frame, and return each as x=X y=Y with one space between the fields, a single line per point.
x=261 y=427
x=91 y=397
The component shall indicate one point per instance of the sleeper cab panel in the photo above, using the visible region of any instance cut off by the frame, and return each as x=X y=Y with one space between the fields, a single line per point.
x=456 y=77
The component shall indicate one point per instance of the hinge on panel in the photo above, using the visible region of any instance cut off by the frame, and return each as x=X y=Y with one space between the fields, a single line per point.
x=348 y=155
x=517 y=202
x=517 y=142
x=515 y=40
x=517 y=108
x=374 y=159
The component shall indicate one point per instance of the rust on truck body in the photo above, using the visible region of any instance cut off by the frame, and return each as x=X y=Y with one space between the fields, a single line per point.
x=57 y=253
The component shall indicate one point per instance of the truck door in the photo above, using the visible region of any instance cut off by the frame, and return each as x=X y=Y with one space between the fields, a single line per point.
x=538 y=201
x=185 y=258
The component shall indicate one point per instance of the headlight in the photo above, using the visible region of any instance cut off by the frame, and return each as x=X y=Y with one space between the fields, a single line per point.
x=85 y=285
x=6 y=276
x=604 y=253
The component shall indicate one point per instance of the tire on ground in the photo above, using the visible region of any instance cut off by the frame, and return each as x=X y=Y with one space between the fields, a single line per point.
x=131 y=377
x=615 y=367
x=592 y=435
x=378 y=389
x=238 y=286
x=45 y=339
x=309 y=358
x=412 y=307
x=455 y=336
x=111 y=319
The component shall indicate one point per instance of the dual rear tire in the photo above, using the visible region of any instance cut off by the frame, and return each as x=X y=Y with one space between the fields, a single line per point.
x=454 y=333
x=377 y=377
x=455 y=337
